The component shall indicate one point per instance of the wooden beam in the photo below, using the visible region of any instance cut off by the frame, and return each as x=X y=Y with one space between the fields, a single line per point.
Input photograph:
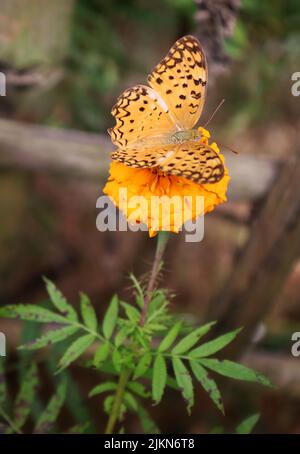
x=77 y=153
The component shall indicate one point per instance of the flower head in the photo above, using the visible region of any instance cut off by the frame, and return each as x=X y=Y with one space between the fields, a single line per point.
x=161 y=201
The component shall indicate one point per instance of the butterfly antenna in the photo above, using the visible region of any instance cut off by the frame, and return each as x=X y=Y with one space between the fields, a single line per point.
x=214 y=112
x=228 y=148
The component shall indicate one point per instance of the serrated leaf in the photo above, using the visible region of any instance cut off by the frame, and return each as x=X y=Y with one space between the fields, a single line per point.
x=25 y=396
x=122 y=335
x=138 y=389
x=110 y=318
x=143 y=365
x=155 y=327
x=157 y=301
x=49 y=338
x=140 y=293
x=215 y=345
x=59 y=301
x=184 y=381
x=170 y=337
x=75 y=350
x=158 y=313
x=235 y=370
x=208 y=384
x=130 y=401
x=102 y=388
x=101 y=354
x=108 y=403
x=31 y=312
x=51 y=412
x=88 y=312
x=117 y=359
x=191 y=339
x=246 y=426
x=131 y=312
x=159 y=378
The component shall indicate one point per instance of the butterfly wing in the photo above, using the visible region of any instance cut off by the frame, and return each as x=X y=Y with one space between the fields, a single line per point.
x=195 y=161
x=191 y=160
x=140 y=114
x=143 y=157
x=180 y=79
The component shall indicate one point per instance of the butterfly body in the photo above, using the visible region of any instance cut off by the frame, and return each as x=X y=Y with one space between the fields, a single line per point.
x=155 y=125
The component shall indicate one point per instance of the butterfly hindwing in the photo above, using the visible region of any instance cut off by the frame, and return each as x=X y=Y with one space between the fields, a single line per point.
x=194 y=161
x=180 y=79
x=191 y=160
x=142 y=157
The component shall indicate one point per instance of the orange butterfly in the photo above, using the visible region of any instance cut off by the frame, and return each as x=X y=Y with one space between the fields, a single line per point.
x=154 y=126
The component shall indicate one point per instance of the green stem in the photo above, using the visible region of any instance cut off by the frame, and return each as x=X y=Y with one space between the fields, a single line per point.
x=162 y=240
x=125 y=373
x=115 y=411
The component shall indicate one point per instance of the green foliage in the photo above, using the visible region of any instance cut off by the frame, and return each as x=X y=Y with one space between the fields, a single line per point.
x=247 y=425
x=142 y=360
x=22 y=411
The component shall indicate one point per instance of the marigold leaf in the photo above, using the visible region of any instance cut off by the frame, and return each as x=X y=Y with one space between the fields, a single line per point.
x=101 y=354
x=184 y=381
x=208 y=384
x=31 y=312
x=131 y=312
x=88 y=312
x=49 y=338
x=110 y=317
x=143 y=365
x=140 y=293
x=130 y=401
x=59 y=301
x=117 y=359
x=235 y=370
x=138 y=389
x=213 y=346
x=75 y=350
x=170 y=337
x=121 y=335
x=51 y=412
x=102 y=388
x=159 y=378
x=25 y=396
x=246 y=426
x=191 y=339
x=108 y=403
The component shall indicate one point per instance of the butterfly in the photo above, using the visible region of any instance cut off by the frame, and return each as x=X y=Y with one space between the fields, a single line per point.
x=154 y=124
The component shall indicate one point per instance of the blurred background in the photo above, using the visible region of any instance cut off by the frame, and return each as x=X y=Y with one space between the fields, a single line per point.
x=65 y=62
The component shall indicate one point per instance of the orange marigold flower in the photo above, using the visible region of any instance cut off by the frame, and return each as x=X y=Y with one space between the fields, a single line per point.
x=132 y=189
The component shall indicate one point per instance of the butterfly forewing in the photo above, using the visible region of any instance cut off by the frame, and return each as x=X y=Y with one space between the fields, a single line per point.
x=180 y=79
x=140 y=113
